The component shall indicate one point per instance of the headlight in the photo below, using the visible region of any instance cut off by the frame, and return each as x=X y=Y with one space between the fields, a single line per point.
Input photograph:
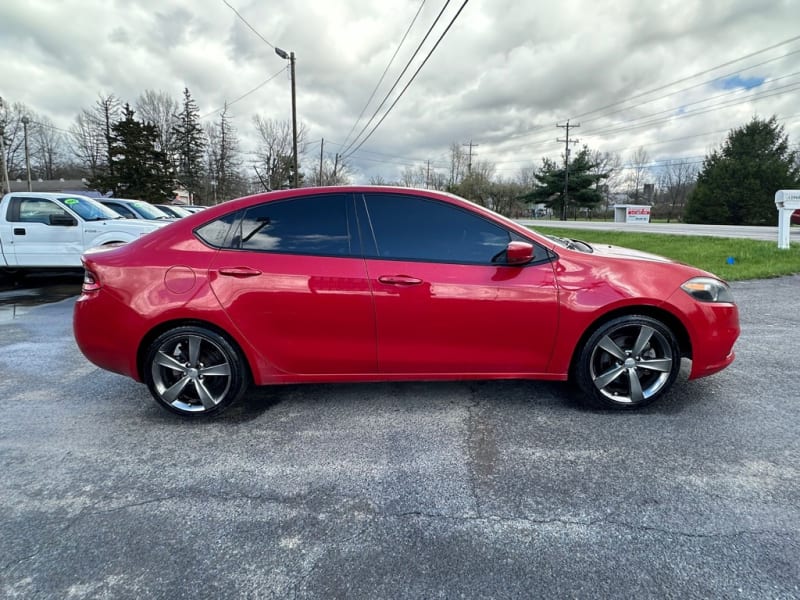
x=707 y=289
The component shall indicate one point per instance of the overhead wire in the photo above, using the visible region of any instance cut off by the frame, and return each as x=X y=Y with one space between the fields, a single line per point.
x=410 y=81
x=243 y=96
x=383 y=75
x=399 y=77
x=243 y=20
x=689 y=77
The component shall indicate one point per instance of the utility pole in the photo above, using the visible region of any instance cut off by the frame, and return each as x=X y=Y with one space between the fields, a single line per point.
x=290 y=56
x=428 y=176
x=25 y=121
x=469 y=160
x=335 y=166
x=567 y=142
x=6 y=185
x=321 y=147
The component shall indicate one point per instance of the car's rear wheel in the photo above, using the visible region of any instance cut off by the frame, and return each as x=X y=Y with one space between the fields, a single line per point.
x=193 y=371
x=628 y=362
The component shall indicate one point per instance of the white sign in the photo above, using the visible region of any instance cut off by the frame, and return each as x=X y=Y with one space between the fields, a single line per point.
x=637 y=214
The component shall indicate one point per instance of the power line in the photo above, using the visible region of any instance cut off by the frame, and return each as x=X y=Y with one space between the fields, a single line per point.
x=621 y=126
x=766 y=94
x=243 y=96
x=386 y=70
x=698 y=74
x=263 y=39
x=399 y=77
x=410 y=81
x=696 y=85
x=712 y=80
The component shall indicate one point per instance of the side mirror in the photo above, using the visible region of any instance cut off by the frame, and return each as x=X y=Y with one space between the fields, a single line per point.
x=62 y=220
x=519 y=253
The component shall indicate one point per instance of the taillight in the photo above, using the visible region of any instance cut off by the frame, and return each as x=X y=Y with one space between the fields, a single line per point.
x=90 y=282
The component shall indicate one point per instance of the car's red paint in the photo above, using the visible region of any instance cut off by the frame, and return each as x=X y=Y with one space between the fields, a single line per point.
x=300 y=318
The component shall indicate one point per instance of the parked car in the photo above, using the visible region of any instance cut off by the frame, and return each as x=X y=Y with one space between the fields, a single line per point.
x=173 y=210
x=135 y=209
x=391 y=284
x=52 y=230
x=796 y=217
x=193 y=208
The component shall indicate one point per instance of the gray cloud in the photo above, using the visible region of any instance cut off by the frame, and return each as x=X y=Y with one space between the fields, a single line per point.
x=502 y=77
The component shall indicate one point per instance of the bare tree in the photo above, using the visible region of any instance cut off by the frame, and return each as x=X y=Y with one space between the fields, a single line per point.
x=610 y=164
x=274 y=153
x=46 y=148
x=525 y=177
x=91 y=135
x=637 y=174
x=458 y=163
x=14 y=139
x=676 y=180
x=87 y=145
x=160 y=110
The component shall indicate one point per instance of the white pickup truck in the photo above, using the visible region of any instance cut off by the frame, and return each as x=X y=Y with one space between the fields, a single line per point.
x=46 y=230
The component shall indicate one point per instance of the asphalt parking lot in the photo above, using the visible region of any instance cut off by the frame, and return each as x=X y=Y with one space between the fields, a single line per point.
x=454 y=490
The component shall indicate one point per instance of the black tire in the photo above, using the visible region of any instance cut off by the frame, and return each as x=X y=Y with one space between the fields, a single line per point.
x=194 y=372
x=628 y=362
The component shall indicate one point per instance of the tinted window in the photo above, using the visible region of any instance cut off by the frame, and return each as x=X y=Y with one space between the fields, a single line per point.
x=122 y=210
x=215 y=233
x=314 y=225
x=414 y=228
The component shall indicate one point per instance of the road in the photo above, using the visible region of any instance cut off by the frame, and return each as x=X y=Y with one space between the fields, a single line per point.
x=419 y=490
x=731 y=231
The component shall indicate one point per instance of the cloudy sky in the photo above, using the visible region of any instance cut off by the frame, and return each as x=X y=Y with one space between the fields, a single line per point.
x=669 y=76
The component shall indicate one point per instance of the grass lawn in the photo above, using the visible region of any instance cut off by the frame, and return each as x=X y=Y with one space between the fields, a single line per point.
x=752 y=259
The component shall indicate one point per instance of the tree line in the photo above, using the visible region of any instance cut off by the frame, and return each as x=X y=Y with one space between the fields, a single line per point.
x=151 y=147
x=155 y=145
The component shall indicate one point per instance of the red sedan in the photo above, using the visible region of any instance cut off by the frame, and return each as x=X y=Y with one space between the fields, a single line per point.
x=390 y=284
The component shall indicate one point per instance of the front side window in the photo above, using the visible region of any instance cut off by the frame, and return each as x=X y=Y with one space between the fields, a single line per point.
x=36 y=210
x=414 y=228
x=316 y=225
x=148 y=211
x=122 y=210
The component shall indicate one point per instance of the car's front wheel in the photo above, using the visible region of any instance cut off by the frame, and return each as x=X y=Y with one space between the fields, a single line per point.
x=194 y=371
x=628 y=362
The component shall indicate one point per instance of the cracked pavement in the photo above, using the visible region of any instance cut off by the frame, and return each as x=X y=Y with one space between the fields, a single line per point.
x=419 y=490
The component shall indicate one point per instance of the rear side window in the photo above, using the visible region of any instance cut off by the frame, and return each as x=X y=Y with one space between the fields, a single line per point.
x=316 y=225
x=414 y=228
x=215 y=233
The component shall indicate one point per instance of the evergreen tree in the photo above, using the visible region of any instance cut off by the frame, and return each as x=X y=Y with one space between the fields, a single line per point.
x=190 y=145
x=737 y=183
x=139 y=168
x=583 y=178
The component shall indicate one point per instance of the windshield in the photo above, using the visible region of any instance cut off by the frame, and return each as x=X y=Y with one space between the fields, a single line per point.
x=572 y=244
x=148 y=211
x=88 y=209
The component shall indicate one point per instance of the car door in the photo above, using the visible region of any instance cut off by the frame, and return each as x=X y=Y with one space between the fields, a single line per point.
x=292 y=279
x=43 y=233
x=442 y=305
